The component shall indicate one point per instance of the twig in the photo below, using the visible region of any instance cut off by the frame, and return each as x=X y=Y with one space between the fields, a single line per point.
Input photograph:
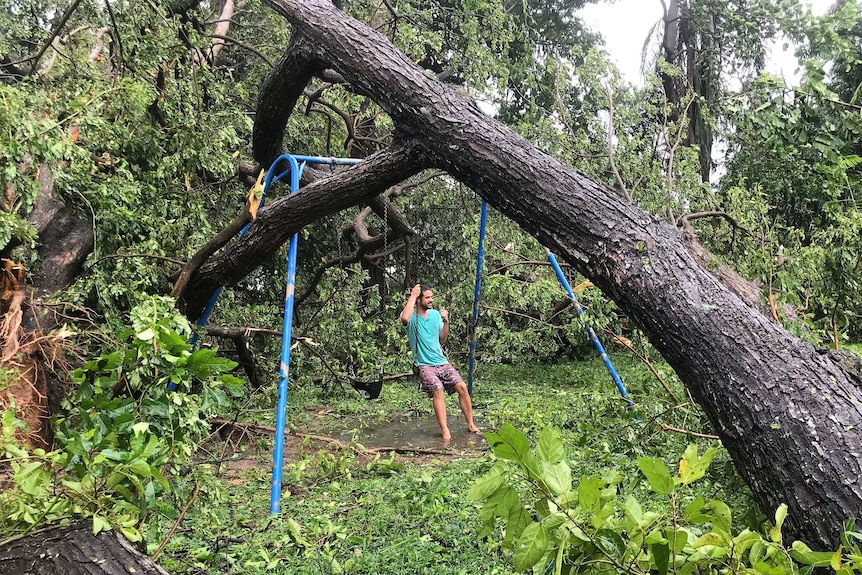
x=622 y=190
x=667 y=427
x=510 y=312
x=151 y=256
x=504 y=267
x=244 y=47
x=177 y=522
x=121 y=61
x=645 y=361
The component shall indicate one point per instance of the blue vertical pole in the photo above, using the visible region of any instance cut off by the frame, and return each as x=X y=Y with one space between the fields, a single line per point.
x=475 y=321
x=596 y=343
x=284 y=368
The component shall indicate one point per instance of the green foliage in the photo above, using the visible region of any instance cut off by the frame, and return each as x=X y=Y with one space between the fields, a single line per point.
x=797 y=149
x=596 y=527
x=132 y=422
x=26 y=142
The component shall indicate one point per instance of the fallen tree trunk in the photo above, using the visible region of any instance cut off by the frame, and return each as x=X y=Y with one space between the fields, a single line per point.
x=789 y=415
x=74 y=550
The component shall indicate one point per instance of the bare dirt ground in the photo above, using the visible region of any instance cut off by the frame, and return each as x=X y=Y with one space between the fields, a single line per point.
x=238 y=447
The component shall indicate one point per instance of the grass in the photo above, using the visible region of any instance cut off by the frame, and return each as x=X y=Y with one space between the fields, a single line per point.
x=345 y=511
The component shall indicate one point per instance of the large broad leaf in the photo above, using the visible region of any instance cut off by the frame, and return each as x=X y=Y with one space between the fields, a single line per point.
x=550 y=446
x=589 y=493
x=657 y=475
x=803 y=554
x=517 y=521
x=694 y=513
x=488 y=483
x=721 y=518
x=531 y=547
x=509 y=443
x=204 y=363
x=634 y=512
x=533 y=466
x=780 y=516
x=33 y=479
x=558 y=477
x=660 y=556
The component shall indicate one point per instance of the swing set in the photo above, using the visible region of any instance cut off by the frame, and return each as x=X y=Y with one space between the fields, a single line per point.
x=295 y=166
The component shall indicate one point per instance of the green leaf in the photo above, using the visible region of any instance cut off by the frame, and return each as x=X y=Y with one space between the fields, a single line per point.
x=204 y=363
x=508 y=443
x=589 y=493
x=693 y=512
x=140 y=468
x=33 y=479
x=677 y=539
x=146 y=335
x=780 y=516
x=661 y=557
x=803 y=554
x=488 y=483
x=113 y=454
x=692 y=467
x=611 y=543
x=633 y=510
x=712 y=539
x=745 y=541
x=656 y=474
x=531 y=547
x=100 y=524
x=550 y=446
x=557 y=477
x=720 y=516
x=654 y=537
x=141 y=427
x=296 y=532
x=553 y=520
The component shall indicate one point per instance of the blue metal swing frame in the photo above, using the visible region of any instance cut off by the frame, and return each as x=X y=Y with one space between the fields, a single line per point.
x=295 y=166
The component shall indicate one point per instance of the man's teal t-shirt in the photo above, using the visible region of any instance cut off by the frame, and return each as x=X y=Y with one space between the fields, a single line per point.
x=423 y=335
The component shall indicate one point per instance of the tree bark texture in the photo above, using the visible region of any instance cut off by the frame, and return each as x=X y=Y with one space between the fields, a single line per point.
x=789 y=416
x=74 y=550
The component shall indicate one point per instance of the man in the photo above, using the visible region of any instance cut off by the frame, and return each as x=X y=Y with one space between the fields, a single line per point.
x=427 y=329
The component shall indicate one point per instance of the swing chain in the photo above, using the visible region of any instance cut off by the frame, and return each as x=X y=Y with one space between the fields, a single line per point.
x=383 y=265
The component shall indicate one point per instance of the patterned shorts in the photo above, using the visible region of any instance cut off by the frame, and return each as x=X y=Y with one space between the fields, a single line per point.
x=434 y=377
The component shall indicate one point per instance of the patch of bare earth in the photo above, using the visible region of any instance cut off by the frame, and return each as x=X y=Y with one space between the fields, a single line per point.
x=236 y=448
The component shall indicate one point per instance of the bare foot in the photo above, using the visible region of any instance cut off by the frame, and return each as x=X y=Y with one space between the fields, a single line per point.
x=473 y=429
x=445 y=433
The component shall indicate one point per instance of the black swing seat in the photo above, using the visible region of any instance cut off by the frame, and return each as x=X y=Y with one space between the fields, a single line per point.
x=368 y=389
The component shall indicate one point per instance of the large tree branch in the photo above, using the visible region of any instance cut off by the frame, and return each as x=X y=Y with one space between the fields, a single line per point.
x=277 y=99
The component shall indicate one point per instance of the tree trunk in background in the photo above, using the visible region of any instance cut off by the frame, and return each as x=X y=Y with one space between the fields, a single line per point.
x=74 y=550
x=789 y=416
